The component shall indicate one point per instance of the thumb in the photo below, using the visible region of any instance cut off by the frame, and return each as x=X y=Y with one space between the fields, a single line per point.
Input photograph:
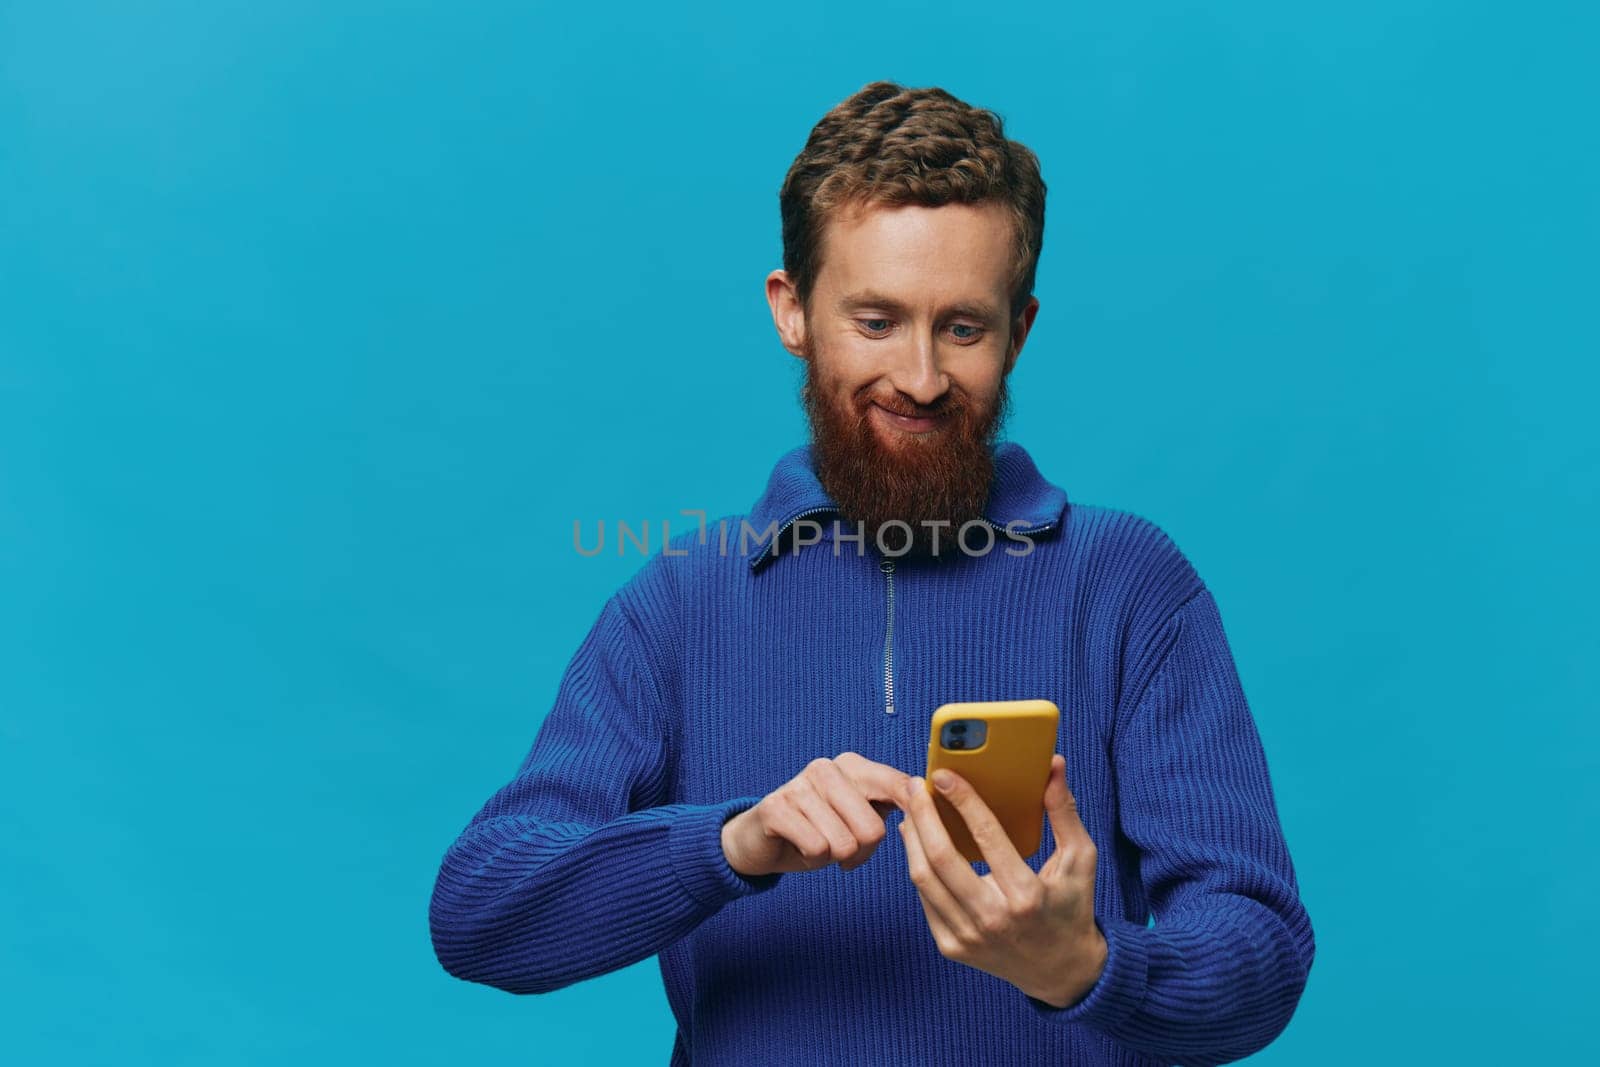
x=1060 y=805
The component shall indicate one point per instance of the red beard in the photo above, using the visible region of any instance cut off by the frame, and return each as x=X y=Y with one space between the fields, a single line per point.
x=943 y=477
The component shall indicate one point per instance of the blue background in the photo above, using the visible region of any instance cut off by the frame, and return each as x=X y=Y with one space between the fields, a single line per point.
x=321 y=323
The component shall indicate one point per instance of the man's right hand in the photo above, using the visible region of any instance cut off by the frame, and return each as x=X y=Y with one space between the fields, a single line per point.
x=831 y=812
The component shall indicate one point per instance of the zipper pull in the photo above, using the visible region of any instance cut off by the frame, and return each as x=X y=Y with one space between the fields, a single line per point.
x=887 y=567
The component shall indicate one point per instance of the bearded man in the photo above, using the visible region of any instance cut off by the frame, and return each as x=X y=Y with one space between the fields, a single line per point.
x=733 y=737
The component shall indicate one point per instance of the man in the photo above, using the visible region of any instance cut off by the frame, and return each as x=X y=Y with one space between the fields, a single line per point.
x=731 y=738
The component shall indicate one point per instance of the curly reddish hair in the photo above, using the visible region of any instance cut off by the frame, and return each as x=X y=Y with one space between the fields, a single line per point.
x=887 y=144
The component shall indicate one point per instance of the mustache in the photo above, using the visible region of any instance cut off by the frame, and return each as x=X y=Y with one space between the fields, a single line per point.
x=953 y=403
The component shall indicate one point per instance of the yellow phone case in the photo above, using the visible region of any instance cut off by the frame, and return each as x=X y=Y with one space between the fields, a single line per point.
x=1009 y=770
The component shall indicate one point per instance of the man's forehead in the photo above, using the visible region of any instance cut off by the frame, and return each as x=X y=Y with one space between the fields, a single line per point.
x=865 y=264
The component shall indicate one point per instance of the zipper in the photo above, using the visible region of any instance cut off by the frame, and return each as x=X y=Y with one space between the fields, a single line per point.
x=887 y=567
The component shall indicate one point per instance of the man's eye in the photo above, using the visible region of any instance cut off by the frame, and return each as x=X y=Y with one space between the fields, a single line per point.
x=882 y=325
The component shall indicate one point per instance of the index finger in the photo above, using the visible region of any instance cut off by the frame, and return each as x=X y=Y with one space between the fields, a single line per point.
x=878 y=782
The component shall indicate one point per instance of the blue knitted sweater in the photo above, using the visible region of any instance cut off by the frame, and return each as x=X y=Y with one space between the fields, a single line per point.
x=743 y=651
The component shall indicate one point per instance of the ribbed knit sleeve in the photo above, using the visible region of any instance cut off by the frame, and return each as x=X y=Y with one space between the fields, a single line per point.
x=1220 y=973
x=574 y=869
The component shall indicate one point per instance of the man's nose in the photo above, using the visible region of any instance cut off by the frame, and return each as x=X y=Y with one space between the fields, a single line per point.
x=918 y=373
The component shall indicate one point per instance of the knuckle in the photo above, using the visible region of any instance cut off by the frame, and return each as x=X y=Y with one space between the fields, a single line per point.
x=777 y=806
x=991 y=923
x=1021 y=911
x=813 y=849
x=1030 y=902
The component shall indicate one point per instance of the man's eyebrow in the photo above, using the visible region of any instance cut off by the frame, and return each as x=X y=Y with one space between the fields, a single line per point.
x=868 y=298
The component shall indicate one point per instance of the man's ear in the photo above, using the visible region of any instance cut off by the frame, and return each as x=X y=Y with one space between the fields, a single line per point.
x=1019 y=331
x=787 y=314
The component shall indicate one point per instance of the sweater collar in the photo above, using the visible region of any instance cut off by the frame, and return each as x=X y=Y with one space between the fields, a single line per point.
x=1019 y=494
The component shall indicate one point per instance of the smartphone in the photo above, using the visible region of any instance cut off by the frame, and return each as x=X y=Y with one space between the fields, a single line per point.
x=1003 y=748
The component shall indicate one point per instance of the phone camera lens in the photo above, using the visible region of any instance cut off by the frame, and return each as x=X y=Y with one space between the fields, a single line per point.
x=958 y=727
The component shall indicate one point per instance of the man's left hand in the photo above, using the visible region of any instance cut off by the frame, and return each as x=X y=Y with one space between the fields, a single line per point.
x=1036 y=931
